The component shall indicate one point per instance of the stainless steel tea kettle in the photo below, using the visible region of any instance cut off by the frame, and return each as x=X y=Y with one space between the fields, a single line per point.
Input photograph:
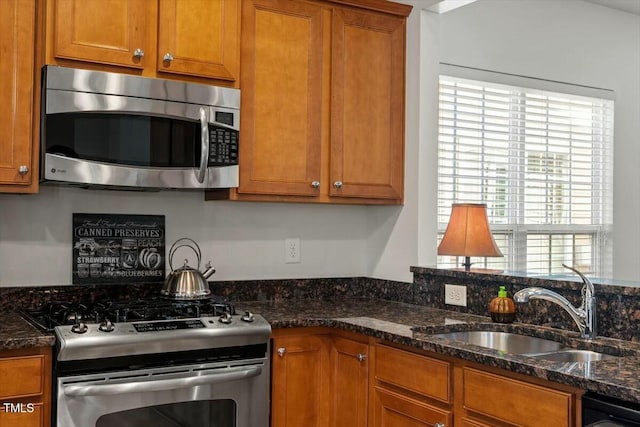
x=186 y=283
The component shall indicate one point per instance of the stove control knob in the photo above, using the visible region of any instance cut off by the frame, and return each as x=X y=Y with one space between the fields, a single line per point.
x=106 y=326
x=248 y=317
x=79 y=328
x=225 y=318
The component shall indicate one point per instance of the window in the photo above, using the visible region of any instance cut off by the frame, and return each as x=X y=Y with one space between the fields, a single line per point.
x=541 y=161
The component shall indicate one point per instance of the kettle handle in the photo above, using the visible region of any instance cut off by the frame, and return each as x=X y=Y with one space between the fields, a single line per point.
x=174 y=248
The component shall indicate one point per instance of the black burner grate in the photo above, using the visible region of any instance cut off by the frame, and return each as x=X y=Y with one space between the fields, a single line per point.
x=69 y=313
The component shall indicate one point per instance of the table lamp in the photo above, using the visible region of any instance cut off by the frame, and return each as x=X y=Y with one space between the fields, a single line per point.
x=468 y=234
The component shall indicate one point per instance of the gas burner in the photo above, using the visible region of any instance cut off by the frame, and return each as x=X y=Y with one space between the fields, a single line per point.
x=108 y=312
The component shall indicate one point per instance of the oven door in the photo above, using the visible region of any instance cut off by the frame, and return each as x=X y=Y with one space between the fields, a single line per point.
x=233 y=394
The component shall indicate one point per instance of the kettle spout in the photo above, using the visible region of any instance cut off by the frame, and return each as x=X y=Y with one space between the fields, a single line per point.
x=208 y=270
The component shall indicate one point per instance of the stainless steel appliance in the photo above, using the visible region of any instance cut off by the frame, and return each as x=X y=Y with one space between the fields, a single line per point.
x=117 y=130
x=158 y=363
x=603 y=411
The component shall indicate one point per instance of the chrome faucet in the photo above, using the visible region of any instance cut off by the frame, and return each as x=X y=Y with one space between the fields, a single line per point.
x=584 y=316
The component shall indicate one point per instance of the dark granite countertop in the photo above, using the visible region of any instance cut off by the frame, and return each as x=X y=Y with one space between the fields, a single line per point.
x=414 y=325
x=15 y=333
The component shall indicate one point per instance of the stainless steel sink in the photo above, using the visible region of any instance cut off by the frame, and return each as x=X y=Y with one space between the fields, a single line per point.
x=572 y=355
x=504 y=341
x=525 y=345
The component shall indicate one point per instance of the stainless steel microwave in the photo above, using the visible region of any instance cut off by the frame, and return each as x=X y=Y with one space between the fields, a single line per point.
x=114 y=130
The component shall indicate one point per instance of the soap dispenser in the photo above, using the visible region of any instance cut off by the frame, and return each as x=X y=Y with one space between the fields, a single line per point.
x=502 y=308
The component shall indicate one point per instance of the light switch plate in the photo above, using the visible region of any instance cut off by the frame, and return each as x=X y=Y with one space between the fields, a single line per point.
x=455 y=295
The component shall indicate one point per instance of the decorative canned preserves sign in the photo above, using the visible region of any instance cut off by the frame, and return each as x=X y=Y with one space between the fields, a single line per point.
x=114 y=248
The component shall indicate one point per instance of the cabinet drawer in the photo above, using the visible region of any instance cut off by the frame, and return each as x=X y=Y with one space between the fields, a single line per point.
x=413 y=372
x=395 y=410
x=30 y=416
x=511 y=400
x=21 y=376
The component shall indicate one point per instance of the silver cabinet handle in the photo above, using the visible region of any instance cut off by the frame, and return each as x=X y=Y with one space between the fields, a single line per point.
x=361 y=357
x=281 y=351
x=138 y=53
x=227 y=375
x=23 y=170
x=204 y=145
x=167 y=57
x=337 y=184
x=315 y=184
x=439 y=425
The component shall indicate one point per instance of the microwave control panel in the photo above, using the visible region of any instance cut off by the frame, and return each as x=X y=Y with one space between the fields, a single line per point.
x=223 y=146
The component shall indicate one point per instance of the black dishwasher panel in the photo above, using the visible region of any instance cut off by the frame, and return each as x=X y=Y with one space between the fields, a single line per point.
x=603 y=411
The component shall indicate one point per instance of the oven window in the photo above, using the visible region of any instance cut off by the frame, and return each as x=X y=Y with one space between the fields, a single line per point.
x=205 y=413
x=124 y=139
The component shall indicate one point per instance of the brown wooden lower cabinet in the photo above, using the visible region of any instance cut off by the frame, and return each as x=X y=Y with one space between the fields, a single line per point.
x=326 y=378
x=32 y=416
x=516 y=402
x=391 y=409
x=412 y=372
x=25 y=387
x=319 y=378
x=466 y=422
x=300 y=366
x=350 y=382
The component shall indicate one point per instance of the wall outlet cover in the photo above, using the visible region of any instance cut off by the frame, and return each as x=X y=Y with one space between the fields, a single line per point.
x=292 y=250
x=455 y=295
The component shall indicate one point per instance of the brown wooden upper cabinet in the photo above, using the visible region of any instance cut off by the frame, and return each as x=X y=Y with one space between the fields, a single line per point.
x=189 y=38
x=18 y=156
x=322 y=101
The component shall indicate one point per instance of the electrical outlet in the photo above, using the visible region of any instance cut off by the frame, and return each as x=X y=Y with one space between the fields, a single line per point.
x=455 y=295
x=292 y=250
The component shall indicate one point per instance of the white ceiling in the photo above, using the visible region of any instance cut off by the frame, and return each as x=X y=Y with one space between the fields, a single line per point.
x=442 y=6
x=631 y=6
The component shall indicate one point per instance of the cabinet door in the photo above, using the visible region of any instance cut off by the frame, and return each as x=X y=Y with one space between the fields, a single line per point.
x=199 y=38
x=22 y=376
x=391 y=409
x=367 y=105
x=299 y=381
x=281 y=80
x=103 y=31
x=24 y=416
x=349 y=395
x=17 y=44
x=551 y=407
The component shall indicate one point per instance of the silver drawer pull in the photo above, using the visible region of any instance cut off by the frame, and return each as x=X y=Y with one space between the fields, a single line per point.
x=281 y=351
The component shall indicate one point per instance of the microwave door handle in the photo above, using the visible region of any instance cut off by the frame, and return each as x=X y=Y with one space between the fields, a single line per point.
x=160 y=385
x=204 y=148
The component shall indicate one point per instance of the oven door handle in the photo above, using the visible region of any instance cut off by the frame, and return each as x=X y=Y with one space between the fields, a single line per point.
x=160 y=385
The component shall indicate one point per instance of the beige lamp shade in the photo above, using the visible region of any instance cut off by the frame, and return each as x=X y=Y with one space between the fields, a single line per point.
x=468 y=233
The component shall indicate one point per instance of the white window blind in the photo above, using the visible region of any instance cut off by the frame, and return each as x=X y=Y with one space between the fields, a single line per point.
x=541 y=161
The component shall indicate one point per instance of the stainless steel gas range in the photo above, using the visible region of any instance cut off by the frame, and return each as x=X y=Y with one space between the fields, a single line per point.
x=158 y=363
